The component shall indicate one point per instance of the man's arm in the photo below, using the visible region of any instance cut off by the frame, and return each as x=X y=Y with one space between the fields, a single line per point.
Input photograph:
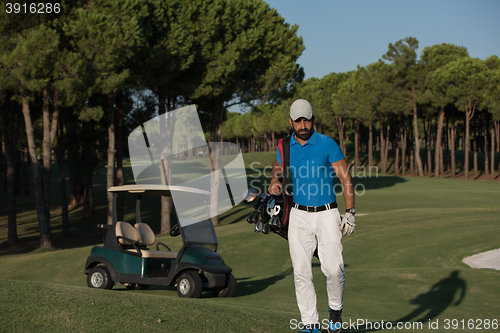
x=348 y=222
x=342 y=172
x=275 y=186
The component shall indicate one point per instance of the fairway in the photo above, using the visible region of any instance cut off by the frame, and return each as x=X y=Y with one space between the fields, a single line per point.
x=403 y=264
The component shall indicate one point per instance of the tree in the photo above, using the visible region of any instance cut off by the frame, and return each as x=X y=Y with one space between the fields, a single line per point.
x=244 y=52
x=28 y=62
x=433 y=58
x=354 y=99
x=10 y=116
x=464 y=80
x=409 y=78
x=107 y=35
x=370 y=101
x=492 y=102
x=324 y=111
x=377 y=77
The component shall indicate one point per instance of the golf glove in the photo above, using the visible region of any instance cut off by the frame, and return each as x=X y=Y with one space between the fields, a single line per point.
x=348 y=223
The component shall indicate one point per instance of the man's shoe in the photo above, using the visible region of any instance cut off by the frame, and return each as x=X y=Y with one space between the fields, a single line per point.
x=335 y=321
x=310 y=328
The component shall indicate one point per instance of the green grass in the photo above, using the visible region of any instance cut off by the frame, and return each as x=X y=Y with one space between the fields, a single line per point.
x=402 y=263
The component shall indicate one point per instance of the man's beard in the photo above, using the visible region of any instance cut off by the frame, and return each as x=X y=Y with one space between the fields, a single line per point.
x=304 y=135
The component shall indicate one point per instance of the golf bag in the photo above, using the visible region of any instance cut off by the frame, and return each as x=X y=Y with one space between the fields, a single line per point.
x=272 y=212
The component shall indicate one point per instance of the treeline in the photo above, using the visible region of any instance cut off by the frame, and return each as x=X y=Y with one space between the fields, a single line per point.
x=423 y=109
x=74 y=81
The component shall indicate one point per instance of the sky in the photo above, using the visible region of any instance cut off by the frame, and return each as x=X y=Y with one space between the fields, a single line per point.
x=339 y=35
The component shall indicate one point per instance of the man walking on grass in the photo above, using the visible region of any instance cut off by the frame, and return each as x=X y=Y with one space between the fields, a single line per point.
x=315 y=221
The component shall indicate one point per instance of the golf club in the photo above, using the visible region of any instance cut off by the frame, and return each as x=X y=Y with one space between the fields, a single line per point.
x=258 y=226
x=265 y=228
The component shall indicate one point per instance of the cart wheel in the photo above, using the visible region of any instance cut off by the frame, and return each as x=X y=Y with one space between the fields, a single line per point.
x=99 y=278
x=189 y=285
x=230 y=290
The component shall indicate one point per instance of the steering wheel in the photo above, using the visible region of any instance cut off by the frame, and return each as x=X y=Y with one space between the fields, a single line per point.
x=175 y=231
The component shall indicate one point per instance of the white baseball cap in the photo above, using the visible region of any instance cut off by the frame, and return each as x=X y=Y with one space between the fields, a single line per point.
x=301 y=108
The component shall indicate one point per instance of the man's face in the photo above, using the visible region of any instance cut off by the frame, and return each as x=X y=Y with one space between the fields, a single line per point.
x=302 y=127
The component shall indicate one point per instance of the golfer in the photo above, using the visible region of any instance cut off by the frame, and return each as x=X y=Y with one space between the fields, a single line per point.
x=315 y=221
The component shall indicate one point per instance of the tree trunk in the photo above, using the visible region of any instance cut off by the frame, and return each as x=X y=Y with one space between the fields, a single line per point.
x=468 y=117
x=45 y=229
x=411 y=151
x=215 y=153
x=448 y=147
x=404 y=146
x=383 y=162
x=485 y=149
x=370 y=145
x=119 y=153
x=25 y=172
x=497 y=133
x=439 y=148
x=356 y=144
x=452 y=143
x=396 y=145
x=49 y=133
x=9 y=133
x=110 y=175
x=474 y=146
x=62 y=177
x=341 y=127
x=492 y=159
x=418 y=160
x=386 y=157
x=166 y=201
x=426 y=141
x=430 y=145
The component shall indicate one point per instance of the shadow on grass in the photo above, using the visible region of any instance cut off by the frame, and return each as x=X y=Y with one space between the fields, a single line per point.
x=83 y=233
x=430 y=304
x=375 y=183
x=248 y=287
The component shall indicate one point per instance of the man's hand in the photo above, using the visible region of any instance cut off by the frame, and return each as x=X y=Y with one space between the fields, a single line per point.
x=348 y=224
x=275 y=187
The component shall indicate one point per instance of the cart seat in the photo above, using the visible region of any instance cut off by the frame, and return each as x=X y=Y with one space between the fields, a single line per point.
x=141 y=235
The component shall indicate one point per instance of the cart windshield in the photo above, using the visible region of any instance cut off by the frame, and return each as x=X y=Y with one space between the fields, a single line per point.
x=170 y=149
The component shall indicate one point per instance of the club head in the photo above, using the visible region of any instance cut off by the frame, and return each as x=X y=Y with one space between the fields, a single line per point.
x=263 y=206
x=259 y=199
x=250 y=217
x=265 y=228
x=250 y=195
x=258 y=226
x=277 y=221
x=255 y=217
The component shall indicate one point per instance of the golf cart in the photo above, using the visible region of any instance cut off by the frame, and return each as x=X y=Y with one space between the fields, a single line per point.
x=125 y=257
x=170 y=157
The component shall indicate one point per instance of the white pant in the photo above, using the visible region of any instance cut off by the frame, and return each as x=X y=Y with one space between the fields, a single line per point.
x=305 y=231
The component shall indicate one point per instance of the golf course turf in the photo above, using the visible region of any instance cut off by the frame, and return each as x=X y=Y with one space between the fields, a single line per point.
x=403 y=265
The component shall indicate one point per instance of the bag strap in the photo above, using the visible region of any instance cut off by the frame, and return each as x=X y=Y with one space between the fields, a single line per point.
x=284 y=148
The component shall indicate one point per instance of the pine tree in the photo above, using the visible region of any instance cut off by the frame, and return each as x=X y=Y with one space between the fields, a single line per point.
x=409 y=78
x=465 y=81
x=433 y=58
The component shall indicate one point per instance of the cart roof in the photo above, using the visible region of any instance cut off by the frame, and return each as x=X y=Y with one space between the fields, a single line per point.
x=153 y=189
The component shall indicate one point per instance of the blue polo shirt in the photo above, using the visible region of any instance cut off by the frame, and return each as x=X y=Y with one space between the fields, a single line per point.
x=311 y=170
